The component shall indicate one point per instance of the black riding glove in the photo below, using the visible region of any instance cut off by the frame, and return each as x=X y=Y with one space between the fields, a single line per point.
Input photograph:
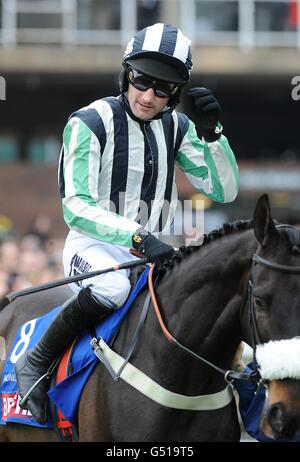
x=154 y=249
x=208 y=110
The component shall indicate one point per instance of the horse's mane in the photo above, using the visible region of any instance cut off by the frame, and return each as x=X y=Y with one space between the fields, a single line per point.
x=184 y=251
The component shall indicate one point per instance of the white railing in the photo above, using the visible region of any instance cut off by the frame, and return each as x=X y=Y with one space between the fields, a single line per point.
x=202 y=20
x=249 y=31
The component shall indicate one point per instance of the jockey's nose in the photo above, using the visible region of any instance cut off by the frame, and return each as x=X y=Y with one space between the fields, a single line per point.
x=148 y=95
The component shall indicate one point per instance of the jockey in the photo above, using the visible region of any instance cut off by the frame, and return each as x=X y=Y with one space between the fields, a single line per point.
x=117 y=183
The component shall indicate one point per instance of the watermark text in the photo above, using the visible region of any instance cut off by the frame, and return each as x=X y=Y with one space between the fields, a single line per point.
x=296 y=88
x=163 y=218
x=2 y=349
x=2 y=88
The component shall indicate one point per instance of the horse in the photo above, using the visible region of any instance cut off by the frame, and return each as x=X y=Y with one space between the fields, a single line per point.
x=207 y=309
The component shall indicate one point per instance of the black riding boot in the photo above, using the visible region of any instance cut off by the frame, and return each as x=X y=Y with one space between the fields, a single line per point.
x=78 y=313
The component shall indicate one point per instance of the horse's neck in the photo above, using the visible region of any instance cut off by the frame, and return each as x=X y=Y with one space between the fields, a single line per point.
x=209 y=277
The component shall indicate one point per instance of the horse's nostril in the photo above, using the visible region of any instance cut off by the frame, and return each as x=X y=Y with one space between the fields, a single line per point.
x=276 y=419
x=283 y=424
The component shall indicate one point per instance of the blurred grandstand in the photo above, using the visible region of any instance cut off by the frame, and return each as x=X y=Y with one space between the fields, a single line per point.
x=59 y=55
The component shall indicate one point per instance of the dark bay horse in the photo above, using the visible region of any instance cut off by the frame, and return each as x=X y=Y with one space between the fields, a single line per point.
x=203 y=304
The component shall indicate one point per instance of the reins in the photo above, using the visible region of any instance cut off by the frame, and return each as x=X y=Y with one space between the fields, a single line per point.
x=229 y=375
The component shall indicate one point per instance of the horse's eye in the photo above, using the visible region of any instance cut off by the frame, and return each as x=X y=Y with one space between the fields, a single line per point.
x=259 y=303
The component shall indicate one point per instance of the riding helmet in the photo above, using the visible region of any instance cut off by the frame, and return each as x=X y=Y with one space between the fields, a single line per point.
x=160 y=51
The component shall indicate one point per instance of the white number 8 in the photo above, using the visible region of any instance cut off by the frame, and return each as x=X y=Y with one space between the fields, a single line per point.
x=25 y=339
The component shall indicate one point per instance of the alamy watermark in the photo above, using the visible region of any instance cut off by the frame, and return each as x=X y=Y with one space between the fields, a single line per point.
x=2 y=349
x=296 y=88
x=163 y=218
x=2 y=88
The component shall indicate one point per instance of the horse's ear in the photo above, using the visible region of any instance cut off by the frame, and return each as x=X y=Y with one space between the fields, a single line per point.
x=263 y=224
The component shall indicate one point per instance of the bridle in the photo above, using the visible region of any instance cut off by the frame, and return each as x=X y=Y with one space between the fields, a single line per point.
x=230 y=375
x=273 y=266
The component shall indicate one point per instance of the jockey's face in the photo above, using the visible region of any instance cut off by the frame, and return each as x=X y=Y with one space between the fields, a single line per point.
x=144 y=104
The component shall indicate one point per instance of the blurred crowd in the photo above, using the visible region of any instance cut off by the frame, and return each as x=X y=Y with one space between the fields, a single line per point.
x=31 y=259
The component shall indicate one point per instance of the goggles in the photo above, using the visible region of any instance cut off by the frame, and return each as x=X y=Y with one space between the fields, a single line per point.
x=143 y=82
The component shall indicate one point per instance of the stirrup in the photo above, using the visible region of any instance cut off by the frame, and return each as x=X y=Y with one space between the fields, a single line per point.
x=47 y=375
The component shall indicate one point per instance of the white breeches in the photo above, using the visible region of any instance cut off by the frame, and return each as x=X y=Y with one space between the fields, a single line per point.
x=83 y=254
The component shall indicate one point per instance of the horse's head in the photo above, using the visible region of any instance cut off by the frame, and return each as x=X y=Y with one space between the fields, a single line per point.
x=274 y=310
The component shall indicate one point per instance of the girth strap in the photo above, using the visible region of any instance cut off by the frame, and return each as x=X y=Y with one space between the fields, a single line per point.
x=144 y=384
x=65 y=430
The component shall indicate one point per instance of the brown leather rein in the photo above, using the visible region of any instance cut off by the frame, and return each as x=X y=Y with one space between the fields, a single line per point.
x=229 y=375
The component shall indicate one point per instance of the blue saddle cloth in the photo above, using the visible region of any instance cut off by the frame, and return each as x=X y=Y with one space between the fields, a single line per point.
x=83 y=363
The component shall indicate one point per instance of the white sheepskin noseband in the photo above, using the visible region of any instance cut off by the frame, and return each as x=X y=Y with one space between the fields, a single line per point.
x=279 y=359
